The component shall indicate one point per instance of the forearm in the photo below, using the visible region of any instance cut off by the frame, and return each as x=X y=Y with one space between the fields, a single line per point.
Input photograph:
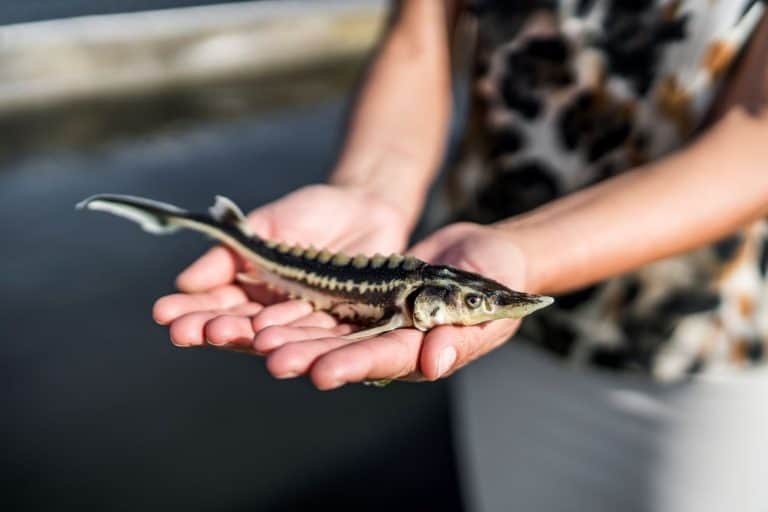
x=396 y=135
x=694 y=197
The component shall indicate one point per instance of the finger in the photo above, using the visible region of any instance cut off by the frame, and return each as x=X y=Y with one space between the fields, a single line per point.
x=294 y=359
x=232 y=329
x=171 y=307
x=316 y=319
x=187 y=331
x=389 y=356
x=271 y=338
x=281 y=313
x=216 y=267
x=246 y=309
x=225 y=330
x=447 y=348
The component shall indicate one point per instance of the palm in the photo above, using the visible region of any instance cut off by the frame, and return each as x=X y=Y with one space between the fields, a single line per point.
x=217 y=310
x=332 y=218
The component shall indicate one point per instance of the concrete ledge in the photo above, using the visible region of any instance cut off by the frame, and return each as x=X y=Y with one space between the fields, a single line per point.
x=55 y=62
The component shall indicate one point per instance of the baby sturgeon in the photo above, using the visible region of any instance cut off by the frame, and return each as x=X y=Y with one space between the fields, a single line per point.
x=382 y=293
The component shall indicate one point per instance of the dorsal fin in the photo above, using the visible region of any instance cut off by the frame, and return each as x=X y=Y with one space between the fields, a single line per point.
x=226 y=211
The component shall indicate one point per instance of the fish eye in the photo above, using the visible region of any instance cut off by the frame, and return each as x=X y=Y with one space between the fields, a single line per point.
x=474 y=301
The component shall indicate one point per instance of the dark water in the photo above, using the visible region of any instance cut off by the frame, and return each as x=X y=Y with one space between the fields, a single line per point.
x=101 y=412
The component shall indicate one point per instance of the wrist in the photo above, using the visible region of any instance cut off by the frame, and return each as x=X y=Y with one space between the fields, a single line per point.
x=374 y=180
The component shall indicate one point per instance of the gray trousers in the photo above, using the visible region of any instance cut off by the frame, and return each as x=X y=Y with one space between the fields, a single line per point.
x=533 y=435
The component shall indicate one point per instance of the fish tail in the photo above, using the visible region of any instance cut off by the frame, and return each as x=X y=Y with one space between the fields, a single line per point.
x=224 y=222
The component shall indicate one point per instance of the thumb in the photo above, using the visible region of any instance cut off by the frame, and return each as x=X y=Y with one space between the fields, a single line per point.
x=216 y=267
x=433 y=248
x=447 y=348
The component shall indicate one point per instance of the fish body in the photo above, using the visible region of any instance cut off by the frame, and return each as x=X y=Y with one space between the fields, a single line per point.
x=379 y=292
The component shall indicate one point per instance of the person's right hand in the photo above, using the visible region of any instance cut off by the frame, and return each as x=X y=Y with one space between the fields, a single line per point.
x=214 y=309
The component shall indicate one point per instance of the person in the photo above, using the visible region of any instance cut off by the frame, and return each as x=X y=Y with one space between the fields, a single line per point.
x=614 y=157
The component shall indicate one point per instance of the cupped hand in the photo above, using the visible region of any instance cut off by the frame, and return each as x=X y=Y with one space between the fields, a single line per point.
x=213 y=309
x=317 y=350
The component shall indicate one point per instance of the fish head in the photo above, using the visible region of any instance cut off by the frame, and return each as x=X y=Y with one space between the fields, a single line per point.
x=450 y=296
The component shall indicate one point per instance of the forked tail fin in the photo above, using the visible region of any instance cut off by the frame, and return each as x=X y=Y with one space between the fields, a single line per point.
x=161 y=218
x=153 y=216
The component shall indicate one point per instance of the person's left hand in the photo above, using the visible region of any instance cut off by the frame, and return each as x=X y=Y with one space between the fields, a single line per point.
x=405 y=354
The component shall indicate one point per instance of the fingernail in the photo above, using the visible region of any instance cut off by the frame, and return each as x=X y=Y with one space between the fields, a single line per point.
x=333 y=385
x=445 y=361
x=286 y=375
x=175 y=344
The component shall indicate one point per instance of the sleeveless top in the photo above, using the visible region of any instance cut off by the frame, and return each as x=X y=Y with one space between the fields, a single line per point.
x=567 y=93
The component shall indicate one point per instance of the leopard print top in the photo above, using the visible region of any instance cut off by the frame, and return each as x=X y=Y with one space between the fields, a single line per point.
x=569 y=93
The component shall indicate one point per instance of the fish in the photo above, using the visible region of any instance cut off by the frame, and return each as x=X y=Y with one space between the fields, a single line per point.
x=379 y=293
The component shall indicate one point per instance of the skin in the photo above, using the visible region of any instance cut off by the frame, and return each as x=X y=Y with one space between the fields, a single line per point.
x=395 y=142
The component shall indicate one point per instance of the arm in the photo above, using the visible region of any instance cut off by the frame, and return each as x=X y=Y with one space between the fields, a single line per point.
x=397 y=133
x=687 y=200
x=704 y=192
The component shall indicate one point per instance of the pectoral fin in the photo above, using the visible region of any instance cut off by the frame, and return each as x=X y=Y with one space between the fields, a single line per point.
x=249 y=278
x=390 y=324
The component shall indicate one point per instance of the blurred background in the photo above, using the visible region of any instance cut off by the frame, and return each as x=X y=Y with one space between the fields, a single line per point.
x=177 y=100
